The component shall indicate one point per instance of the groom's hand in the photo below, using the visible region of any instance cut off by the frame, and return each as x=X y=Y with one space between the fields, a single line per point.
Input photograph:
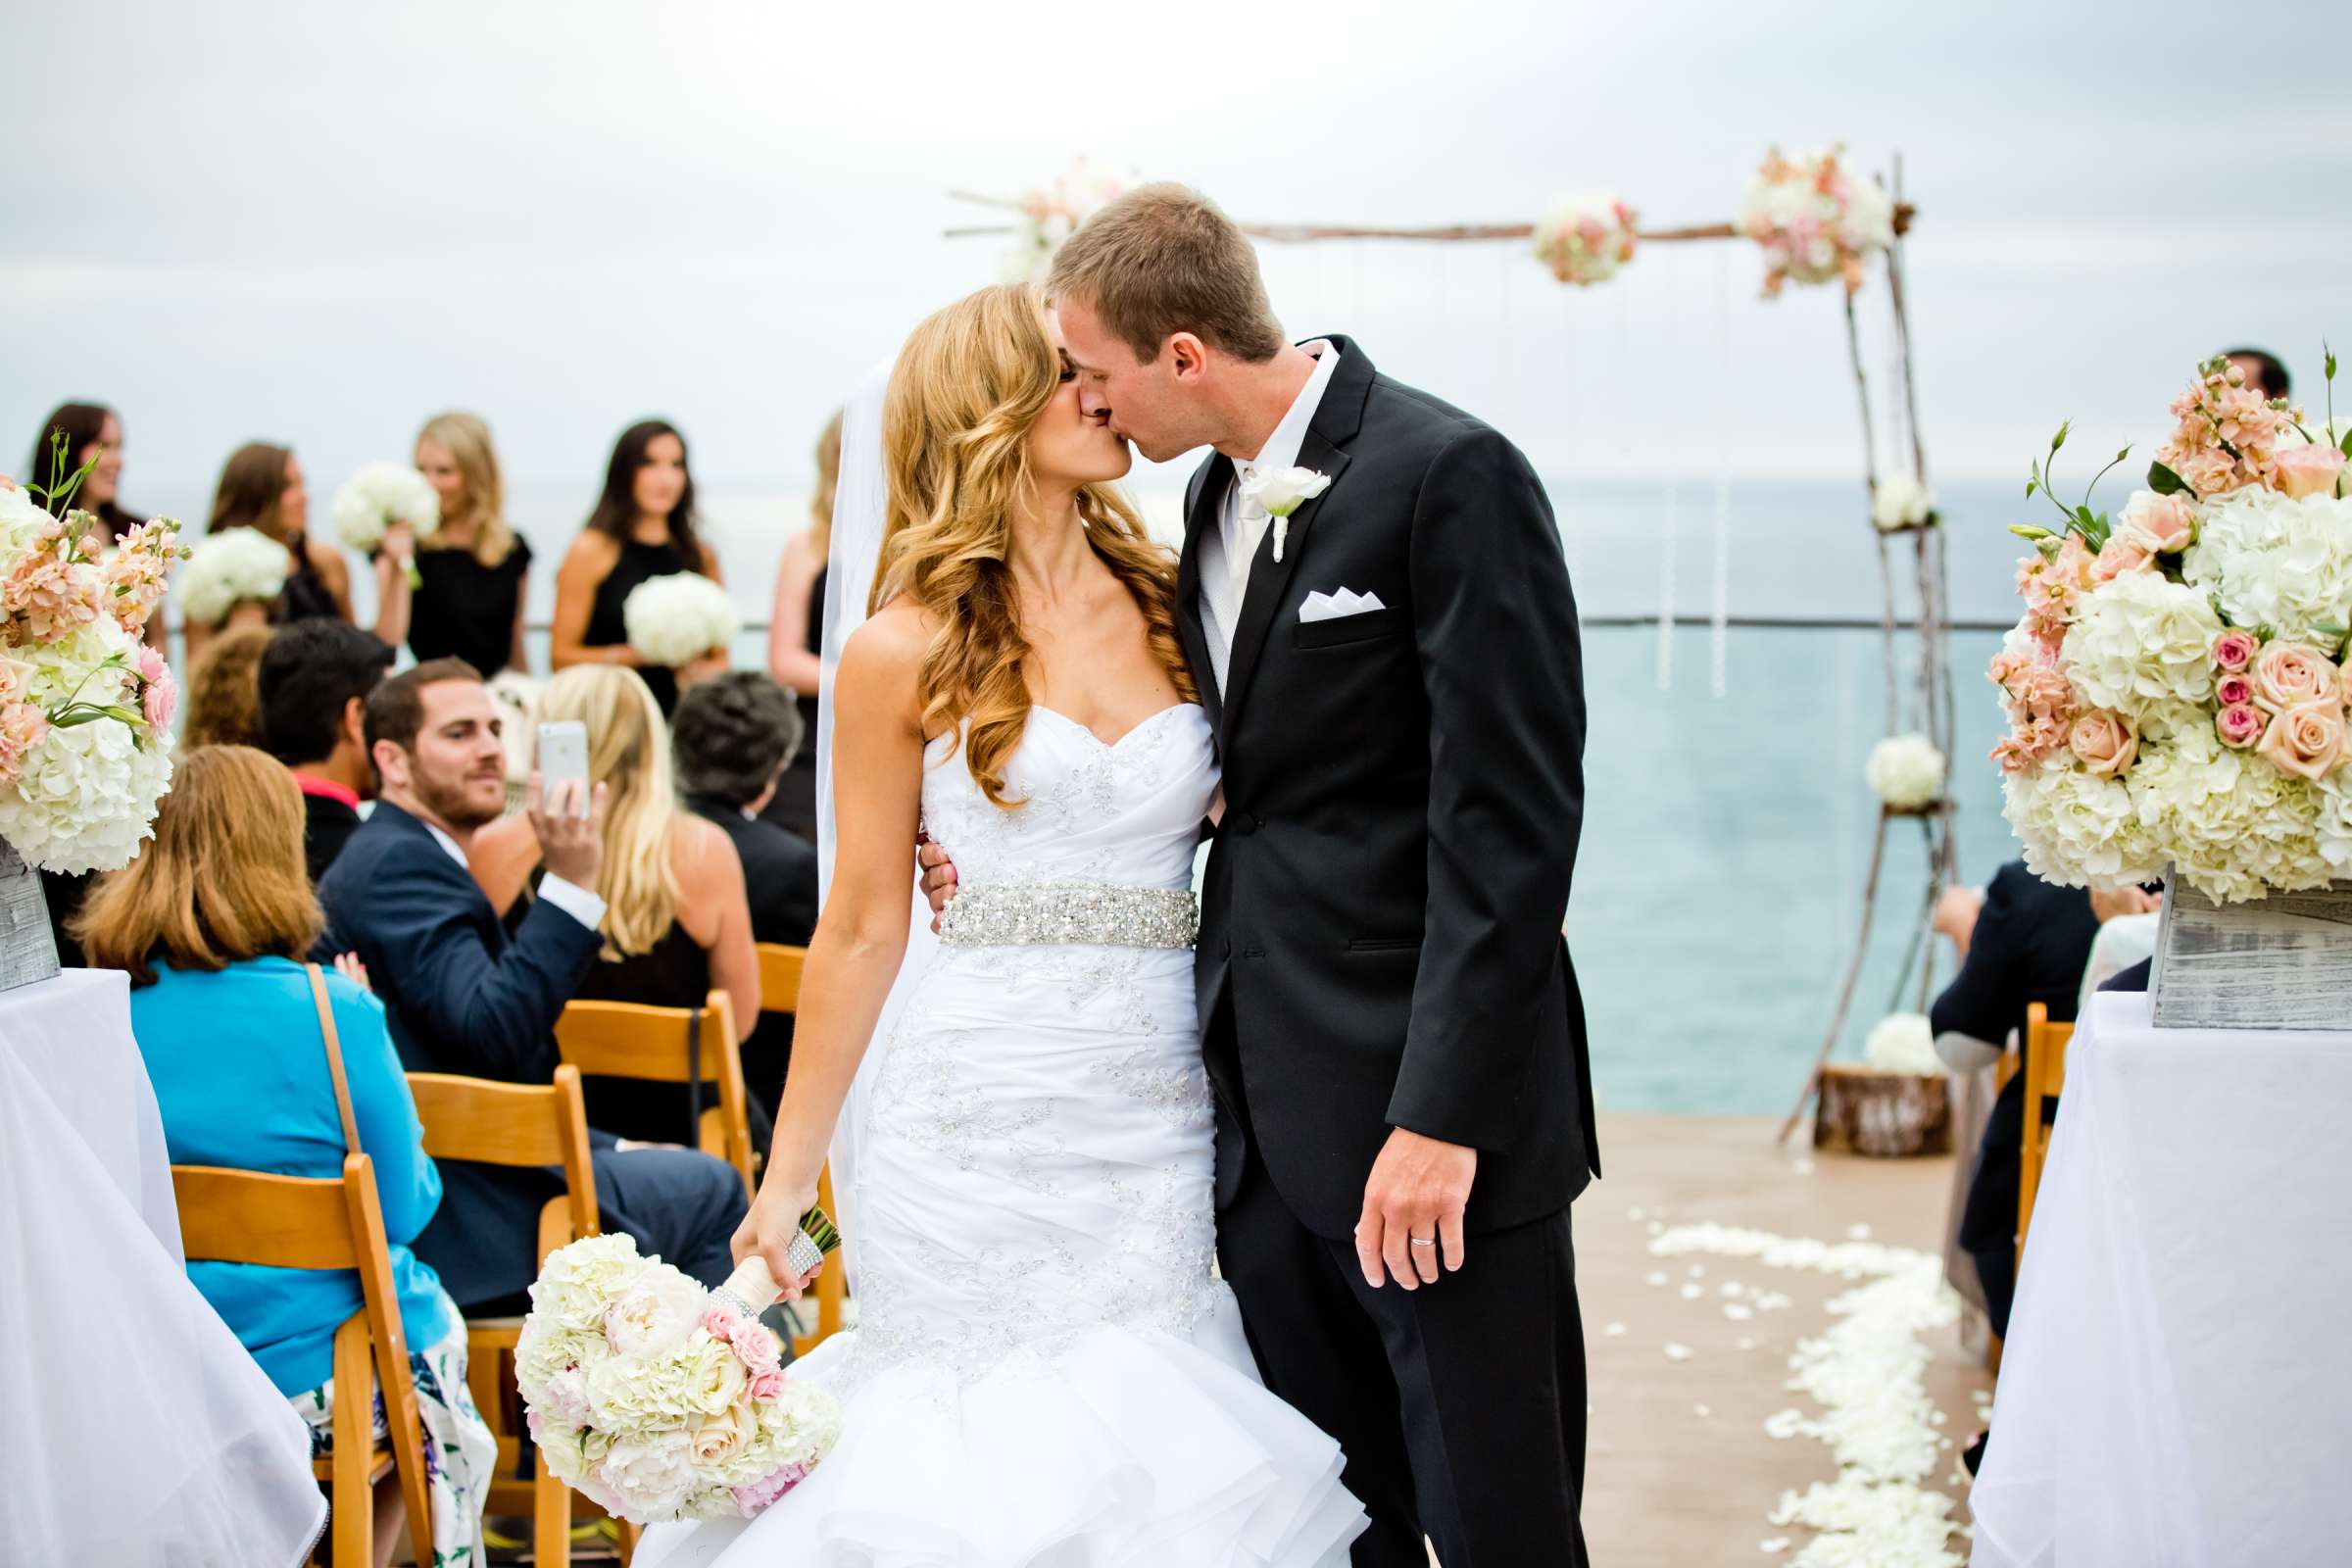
x=939 y=876
x=1418 y=1190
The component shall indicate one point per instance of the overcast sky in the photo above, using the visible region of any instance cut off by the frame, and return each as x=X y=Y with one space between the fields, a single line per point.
x=320 y=224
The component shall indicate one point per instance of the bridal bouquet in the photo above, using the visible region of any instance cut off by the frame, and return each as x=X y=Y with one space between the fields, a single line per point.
x=381 y=494
x=2176 y=689
x=659 y=1400
x=1815 y=221
x=85 y=703
x=676 y=619
x=1587 y=238
x=232 y=567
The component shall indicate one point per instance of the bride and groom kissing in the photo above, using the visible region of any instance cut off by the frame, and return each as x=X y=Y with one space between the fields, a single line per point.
x=1235 y=1234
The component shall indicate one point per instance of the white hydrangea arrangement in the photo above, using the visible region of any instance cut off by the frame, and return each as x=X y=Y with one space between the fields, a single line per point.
x=1903 y=1042
x=85 y=705
x=658 y=1400
x=228 y=568
x=1901 y=502
x=1586 y=237
x=1815 y=221
x=379 y=496
x=2176 y=690
x=1906 y=772
x=675 y=620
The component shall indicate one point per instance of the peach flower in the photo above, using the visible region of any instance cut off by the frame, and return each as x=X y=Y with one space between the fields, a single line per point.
x=2307 y=470
x=2166 y=524
x=2105 y=742
x=2123 y=552
x=2288 y=674
x=2306 y=740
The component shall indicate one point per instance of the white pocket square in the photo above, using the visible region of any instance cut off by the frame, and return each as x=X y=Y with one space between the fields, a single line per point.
x=1337 y=604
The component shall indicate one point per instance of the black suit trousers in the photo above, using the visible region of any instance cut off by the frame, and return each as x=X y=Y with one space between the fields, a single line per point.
x=1460 y=1406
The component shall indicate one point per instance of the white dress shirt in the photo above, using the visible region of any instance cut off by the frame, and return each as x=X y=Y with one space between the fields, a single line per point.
x=1228 y=552
x=575 y=901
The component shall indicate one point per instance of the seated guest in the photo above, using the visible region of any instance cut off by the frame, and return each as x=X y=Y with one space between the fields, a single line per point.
x=462 y=995
x=733 y=738
x=314 y=683
x=2029 y=942
x=212 y=922
x=224 y=701
x=675 y=921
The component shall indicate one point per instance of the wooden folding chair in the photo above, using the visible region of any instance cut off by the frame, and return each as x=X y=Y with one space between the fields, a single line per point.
x=240 y=1216
x=780 y=970
x=2045 y=1075
x=523 y=1125
x=660 y=1045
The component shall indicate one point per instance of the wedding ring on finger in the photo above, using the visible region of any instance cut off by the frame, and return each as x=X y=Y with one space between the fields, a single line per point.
x=1422 y=1241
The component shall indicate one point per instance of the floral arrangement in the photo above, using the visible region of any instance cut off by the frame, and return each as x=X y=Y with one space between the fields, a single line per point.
x=1906 y=772
x=235 y=566
x=1901 y=503
x=659 y=1400
x=378 y=497
x=2175 y=688
x=1587 y=238
x=1817 y=222
x=1053 y=214
x=1903 y=1042
x=675 y=620
x=85 y=705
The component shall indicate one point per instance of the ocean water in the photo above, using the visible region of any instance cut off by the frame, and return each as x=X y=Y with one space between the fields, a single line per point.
x=1728 y=825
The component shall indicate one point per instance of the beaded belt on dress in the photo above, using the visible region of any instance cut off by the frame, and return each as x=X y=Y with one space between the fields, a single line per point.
x=1012 y=914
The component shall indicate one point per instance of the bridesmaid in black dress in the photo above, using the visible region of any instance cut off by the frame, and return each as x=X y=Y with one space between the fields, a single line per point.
x=262 y=488
x=643 y=527
x=476 y=568
x=796 y=636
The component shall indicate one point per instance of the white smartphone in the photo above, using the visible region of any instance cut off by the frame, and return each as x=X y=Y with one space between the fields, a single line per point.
x=563 y=761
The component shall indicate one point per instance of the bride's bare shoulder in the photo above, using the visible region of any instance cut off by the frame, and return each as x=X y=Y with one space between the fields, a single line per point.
x=882 y=659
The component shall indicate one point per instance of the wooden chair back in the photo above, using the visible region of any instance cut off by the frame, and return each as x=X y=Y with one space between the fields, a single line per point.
x=2045 y=1075
x=780 y=976
x=658 y=1044
x=241 y=1216
x=517 y=1125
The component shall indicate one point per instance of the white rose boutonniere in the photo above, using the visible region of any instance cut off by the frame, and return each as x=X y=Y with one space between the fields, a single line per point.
x=1281 y=493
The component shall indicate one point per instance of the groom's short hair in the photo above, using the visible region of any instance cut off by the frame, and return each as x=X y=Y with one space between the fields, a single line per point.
x=1163 y=259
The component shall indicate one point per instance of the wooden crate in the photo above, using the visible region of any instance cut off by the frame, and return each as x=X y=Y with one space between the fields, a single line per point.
x=1888 y=1115
x=28 y=952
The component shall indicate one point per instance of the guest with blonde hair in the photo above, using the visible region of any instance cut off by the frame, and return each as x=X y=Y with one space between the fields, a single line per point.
x=677 y=921
x=212 y=922
x=476 y=568
x=262 y=487
x=796 y=634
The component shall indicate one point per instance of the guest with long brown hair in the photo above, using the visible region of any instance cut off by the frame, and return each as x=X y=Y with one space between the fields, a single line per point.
x=476 y=567
x=644 y=526
x=262 y=487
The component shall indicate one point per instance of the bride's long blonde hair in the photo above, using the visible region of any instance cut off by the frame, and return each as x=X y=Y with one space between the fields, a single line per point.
x=955 y=421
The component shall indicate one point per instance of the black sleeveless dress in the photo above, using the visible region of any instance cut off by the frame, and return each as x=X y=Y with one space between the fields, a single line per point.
x=464 y=609
x=639 y=562
x=306 y=596
x=794 y=808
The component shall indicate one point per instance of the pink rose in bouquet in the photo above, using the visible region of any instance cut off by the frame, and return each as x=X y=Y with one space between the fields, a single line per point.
x=2123 y=552
x=2235 y=650
x=2307 y=740
x=2106 y=743
x=159 y=693
x=2307 y=470
x=2239 y=726
x=2288 y=675
x=2235 y=690
x=2166 y=524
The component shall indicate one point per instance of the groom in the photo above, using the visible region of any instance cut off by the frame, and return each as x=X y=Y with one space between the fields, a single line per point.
x=1392 y=1022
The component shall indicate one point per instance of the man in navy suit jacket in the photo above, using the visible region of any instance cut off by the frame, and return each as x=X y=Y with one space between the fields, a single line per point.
x=462 y=997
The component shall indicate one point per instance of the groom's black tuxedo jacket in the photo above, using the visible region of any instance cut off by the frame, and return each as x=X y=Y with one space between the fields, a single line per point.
x=1403 y=791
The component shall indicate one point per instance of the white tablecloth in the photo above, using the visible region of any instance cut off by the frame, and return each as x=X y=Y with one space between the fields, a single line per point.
x=137 y=1430
x=2177 y=1386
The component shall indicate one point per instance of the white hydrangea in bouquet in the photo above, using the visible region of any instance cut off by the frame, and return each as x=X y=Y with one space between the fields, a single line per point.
x=1901 y=502
x=2176 y=689
x=1053 y=212
x=1903 y=1042
x=1587 y=238
x=85 y=705
x=659 y=1400
x=235 y=566
x=675 y=620
x=1817 y=222
x=380 y=496
x=1907 y=772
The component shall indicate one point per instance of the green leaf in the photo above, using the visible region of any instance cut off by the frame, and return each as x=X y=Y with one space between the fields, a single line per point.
x=2345 y=446
x=2331 y=629
x=2027 y=530
x=2329 y=361
x=2163 y=481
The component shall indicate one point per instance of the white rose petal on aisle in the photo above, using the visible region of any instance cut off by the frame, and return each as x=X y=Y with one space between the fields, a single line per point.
x=228 y=568
x=1906 y=772
x=675 y=620
x=381 y=494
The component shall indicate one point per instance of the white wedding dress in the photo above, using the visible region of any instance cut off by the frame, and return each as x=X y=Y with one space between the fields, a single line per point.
x=1044 y=1371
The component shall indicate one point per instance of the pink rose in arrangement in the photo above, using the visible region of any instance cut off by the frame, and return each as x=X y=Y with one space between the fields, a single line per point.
x=2239 y=726
x=2307 y=470
x=2288 y=675
x=2106 y=743
x=159 y=693
x=767 y=1489
x=2166 y=524
x=721 y=1321
x=755 y=1346
x=2123 y=552
x=769 y=1387
x=2233 y=691
x=2235 y=650
x=2307 y=740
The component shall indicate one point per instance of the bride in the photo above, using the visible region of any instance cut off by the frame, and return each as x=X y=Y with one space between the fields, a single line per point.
x=1045 y=1370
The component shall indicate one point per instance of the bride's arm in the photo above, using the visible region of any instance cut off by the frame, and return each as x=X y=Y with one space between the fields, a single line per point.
x=854 y=957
